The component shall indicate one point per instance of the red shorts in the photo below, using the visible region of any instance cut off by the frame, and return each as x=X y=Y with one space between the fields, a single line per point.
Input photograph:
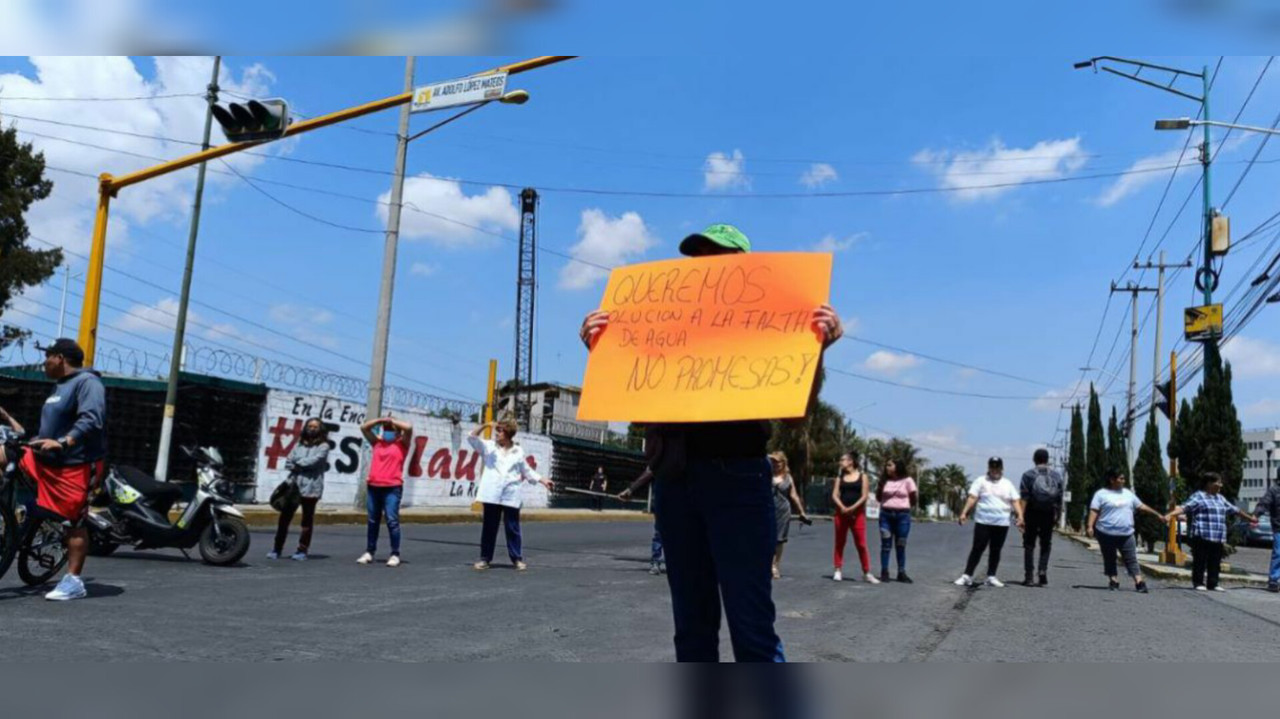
x=61 y=490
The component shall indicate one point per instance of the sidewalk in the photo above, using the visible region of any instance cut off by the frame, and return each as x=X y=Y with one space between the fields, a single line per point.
x=261 y=515
x=1152 y=567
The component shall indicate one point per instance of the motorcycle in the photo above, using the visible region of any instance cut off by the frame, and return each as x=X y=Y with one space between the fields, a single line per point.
x=137 y=513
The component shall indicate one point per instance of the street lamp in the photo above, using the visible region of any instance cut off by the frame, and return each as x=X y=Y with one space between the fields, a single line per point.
x=1183 y=123
x=1270 y=449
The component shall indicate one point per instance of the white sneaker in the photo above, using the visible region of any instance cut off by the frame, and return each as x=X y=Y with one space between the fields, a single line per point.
x=993 y=582
x=299 y=557
x=1201 y=588
x=394 y=561
x=838 y=576
x=273 y=555
x=365 y=558
x=871 y=578
x=1219 y=589
x=71 y=587
x=964 y=581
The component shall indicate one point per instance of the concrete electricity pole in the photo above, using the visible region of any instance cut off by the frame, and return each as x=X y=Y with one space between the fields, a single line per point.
x=1130 y=420
x=180 y=324
x=382 y=332
x=1161 y=267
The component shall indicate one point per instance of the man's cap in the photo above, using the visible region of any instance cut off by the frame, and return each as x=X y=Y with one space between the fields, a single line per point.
x=64 y=347
x=726 y=236
x=995 y=462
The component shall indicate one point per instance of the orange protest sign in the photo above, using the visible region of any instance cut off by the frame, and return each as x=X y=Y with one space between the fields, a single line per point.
x=720 y=338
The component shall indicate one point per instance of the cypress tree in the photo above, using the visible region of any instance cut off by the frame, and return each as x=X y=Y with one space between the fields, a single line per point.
x=1151 y=484
x=1077 y=472
x=1095 y=445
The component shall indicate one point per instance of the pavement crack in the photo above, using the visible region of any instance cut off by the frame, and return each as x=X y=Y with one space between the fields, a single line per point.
x=943 y=628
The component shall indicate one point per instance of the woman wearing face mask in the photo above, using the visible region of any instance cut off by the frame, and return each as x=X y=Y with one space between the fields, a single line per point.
x=506 y=469
x=390 y=440
x=307 y=462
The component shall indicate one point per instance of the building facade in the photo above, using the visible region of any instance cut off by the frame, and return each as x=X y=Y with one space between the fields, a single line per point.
x=1254 y=483
x=554 y=411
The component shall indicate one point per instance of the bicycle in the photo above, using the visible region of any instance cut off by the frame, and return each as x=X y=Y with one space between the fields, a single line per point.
x=38 y=543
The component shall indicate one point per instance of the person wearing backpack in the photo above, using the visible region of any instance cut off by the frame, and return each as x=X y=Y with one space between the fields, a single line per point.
x=1042 y=492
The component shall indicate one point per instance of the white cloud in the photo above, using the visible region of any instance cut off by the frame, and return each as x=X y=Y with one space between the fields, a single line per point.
x=1251 y=358
x=65 y=218
x=160 y=318
x=831 y=243
x=818 y=174
x=1144 y=175
x=424 y=269
x=725 y=171
x=304 y=323
x=1261 y=408
x=891 y=363
x=607 y=242
x=968 y=172
x=437 y=209
x=1053 y=400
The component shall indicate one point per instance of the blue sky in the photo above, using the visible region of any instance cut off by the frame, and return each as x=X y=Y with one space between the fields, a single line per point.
x=1007 y=279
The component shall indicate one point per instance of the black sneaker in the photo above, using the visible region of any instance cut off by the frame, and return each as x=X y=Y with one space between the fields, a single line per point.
x=884 y=575
x=1044 y=580
x=1113 y=584
x=902 y=577
x=1141 y=587
x=1029 y=581
x=1273 y=588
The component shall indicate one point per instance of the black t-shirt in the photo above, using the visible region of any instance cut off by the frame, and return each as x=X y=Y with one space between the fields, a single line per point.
x=727 y=440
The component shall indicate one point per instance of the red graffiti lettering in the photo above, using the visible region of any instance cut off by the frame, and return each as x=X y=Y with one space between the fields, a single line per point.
x=415 y=462
x=533 y=463
x=466 y=469
x=438 y=468
x=284 y=429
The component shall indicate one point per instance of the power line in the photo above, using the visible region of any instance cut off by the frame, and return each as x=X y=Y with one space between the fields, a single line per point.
x=930 y=390
x=295 y=210
x=953 y=363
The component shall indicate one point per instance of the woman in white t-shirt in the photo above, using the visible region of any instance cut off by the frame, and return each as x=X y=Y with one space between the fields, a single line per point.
x=1111 y=516
x=996 y=499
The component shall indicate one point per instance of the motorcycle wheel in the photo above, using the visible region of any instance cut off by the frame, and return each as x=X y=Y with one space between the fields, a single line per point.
x=228 y=548
x=99 y=546
x=8 y=537
x=43 y=553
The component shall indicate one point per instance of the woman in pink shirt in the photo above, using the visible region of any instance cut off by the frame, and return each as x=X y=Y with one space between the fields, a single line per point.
x=897 y=494
x=390 y=439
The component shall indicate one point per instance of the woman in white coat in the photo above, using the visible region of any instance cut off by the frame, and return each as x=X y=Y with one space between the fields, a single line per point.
x=500 y=491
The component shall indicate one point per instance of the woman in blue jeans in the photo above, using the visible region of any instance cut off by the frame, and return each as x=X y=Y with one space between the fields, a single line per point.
x=897 y=495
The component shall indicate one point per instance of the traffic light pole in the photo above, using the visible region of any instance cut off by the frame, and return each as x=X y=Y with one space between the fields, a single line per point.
x=381 y=335
x=1173 y=554
x=109 y=185
x=180 y=325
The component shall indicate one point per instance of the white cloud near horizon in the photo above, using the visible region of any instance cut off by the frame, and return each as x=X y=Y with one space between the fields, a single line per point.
x=833 y=244
x=818 y=174
x=439 y=210
x=970 y=172
x=891 y=363
x=725 y=171
x=1252 y=358
x=604 y=241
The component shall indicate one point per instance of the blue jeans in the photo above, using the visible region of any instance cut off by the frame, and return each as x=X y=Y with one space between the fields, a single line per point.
x=384 y=500
x=718 y=529
x=1275 y=559
x=510 y=519
x=895 y=527
x=656 y=550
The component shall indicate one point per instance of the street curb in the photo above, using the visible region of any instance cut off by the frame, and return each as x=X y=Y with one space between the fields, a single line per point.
x=266 y=517
x=1161 y=571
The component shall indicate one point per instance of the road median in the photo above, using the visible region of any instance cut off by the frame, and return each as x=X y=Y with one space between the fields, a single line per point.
x=265 y=516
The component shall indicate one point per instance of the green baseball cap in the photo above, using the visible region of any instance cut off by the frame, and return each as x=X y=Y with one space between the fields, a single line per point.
x=726 y=236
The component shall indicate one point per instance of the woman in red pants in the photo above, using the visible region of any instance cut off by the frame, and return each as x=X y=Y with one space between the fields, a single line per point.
x=849 y=494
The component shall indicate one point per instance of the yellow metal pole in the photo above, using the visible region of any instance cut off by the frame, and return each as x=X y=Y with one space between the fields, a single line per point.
x=110 y=185
x=1173 y=553
x=490 y=393
x=93 y=277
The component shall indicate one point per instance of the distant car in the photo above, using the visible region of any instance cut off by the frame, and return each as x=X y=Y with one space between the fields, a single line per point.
x=1260 y=535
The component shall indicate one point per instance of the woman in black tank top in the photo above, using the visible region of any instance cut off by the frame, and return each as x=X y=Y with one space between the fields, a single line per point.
x=849 y=495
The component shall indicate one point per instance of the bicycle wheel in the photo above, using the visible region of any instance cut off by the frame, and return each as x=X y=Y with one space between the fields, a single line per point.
x=43 y=552
x=8 y=537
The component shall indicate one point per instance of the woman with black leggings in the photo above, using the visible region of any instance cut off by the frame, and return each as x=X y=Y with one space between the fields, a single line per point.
x=996 y=500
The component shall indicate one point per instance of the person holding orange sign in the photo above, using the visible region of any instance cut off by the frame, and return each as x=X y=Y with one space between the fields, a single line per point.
x=714 y=506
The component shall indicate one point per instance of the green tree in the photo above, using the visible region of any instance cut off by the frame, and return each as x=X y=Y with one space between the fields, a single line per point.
x=1096 y=445
x=1151 y=484
x=1117 y=445
x=1208 y=437
x=22 y=183
x=1077 y=472
x=953 y=482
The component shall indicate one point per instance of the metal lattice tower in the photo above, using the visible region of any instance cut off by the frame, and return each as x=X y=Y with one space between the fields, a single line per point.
x=526 y=292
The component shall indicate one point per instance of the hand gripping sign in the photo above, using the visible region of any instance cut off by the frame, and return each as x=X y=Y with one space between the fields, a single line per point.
x=720 y=338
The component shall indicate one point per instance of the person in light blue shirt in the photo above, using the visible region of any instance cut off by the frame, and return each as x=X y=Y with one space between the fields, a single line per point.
x=1111 y=516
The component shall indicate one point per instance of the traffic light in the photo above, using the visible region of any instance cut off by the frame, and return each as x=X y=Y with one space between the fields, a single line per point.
x=254 y=120
x=1164 y=398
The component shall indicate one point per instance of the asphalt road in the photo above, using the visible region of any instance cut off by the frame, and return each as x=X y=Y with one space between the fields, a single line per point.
x=588 y=597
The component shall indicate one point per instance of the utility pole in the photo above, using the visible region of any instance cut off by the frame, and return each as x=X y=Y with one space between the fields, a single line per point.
x=1172 y=553
x=180 y=324
x=382 y=332
x=62 y=311
x=1130 y=420
x=1161 y=267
